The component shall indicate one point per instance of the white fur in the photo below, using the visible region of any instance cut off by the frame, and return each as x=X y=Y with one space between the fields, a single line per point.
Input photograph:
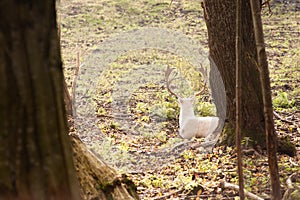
x=190 y=125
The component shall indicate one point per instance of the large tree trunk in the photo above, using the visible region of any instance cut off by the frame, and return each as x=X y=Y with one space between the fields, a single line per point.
x=220 y=20
x=35 y=152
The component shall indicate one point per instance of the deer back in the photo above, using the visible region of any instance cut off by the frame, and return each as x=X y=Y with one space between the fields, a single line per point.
x=198 y=126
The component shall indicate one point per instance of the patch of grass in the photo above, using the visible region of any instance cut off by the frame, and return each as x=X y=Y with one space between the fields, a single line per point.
x=115 y=154
x=205 y=109
x=282 y=101
x=165 y=110
x=114 y=125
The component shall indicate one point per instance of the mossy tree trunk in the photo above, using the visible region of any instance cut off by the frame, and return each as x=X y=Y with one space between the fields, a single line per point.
x=97 y=180
x=220 y=18
x=35 y=151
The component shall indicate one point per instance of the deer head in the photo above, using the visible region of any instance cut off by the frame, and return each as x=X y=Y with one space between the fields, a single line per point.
x=185 y=104
x=189 y=124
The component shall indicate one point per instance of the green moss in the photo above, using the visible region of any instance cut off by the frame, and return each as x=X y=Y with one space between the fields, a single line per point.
x=227 y=136
x=109 y=187
x=285 y=146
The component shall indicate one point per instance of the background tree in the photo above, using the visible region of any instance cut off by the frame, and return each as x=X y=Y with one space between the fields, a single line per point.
x=256 y=110
x=220 y=20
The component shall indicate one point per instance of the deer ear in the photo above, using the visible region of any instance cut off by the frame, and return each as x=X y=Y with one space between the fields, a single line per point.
x=180 y=100
x=193 y=99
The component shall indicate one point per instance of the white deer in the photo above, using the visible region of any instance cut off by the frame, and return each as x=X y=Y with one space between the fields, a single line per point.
x=189 y=125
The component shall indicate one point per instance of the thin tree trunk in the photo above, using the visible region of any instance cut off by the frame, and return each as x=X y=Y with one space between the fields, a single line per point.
x=35 y=151
x=238 y=75
x=267 y=99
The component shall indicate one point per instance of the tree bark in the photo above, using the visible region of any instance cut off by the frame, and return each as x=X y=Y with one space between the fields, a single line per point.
x=35 y=152
x=267 y=99
x=220 y=21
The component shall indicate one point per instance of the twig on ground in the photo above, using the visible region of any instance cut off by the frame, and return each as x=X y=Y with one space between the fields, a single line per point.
x=289 y=181
x=281 y=118
x=293 y=163
x=226 y=185
x=106 y=116
x=251 y=151
x=290 y=187
x=170 y=194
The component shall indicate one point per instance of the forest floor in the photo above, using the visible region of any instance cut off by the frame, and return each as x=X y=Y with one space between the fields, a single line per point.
x=147 y=154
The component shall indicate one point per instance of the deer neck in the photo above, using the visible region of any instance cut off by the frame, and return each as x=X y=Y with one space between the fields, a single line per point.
x=186 y=110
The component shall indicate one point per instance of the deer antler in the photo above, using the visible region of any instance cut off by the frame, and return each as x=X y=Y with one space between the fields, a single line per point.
x=202 y=72
x=202 y=91
x=168 y=82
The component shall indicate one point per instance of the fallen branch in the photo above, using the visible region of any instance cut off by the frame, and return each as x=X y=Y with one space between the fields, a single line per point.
x=293 y=163
x=226 y=185
x=281 y=118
